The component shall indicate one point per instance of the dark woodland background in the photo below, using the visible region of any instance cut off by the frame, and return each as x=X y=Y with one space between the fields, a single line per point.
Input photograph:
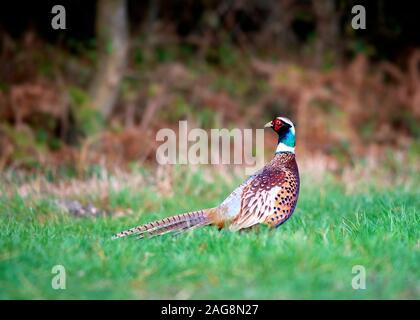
x=97 y=92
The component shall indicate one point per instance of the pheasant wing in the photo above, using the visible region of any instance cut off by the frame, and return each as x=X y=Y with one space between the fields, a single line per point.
x=258 y=197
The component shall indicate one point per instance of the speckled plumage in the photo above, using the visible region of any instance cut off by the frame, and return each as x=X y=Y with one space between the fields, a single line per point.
x=268 y=197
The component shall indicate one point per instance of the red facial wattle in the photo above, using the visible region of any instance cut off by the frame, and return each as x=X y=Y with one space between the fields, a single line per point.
x=277 y=125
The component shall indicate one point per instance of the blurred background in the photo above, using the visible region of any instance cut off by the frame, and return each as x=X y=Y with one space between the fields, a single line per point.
x=97 y=92
x=80 y=108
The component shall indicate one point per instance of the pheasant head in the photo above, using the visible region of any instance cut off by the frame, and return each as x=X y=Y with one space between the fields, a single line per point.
x=286 y=132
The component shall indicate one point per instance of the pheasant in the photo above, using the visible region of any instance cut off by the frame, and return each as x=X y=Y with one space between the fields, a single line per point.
x=268 y=197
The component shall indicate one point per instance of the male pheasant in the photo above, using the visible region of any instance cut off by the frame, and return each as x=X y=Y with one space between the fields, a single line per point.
x=267 y=197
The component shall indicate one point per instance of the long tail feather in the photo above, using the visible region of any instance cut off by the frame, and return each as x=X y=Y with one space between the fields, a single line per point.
x=179 y=223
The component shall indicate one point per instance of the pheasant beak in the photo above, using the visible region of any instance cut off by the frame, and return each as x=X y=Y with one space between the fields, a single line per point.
x=268 y=124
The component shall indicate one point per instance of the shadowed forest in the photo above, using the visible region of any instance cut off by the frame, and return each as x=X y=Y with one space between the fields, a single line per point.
x=80 y=108
x=84 y=95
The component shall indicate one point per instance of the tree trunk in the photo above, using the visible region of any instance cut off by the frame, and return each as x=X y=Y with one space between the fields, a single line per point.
x=327 y=46
x=280 y=23
x=112 y=38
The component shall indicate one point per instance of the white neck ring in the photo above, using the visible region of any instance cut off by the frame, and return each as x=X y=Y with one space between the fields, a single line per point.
x=281 y=147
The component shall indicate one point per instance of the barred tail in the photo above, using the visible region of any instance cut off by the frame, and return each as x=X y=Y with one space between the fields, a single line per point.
x=178 y=223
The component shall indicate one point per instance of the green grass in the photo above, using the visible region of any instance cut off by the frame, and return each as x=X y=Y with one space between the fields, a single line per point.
x=310 y=256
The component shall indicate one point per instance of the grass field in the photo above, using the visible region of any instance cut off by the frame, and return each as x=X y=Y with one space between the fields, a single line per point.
x=310 y=256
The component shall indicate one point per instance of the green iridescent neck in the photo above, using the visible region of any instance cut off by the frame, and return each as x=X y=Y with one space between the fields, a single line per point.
x=286 y=143
x=288 y=139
